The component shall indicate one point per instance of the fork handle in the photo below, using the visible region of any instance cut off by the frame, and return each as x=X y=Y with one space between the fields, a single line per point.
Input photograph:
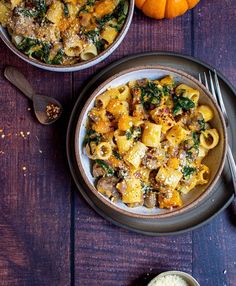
x=232 y=166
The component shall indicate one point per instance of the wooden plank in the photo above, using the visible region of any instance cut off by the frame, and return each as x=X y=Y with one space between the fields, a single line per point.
x=214 y=250
x=35 y=183
x=106 y=255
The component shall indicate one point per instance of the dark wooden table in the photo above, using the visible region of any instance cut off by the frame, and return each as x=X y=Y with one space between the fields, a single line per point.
x=48 y=234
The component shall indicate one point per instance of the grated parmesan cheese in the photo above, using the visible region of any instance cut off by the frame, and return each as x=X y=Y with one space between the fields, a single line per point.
x=169 y=280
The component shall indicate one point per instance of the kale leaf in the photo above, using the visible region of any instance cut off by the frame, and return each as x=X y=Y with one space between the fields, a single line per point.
x=35 y=48
x=109 y=170
x=181 y=102
x=150 y=95
x=92 y=136
x=196 y=139
x=117 y=155
x=66 y=10
x=57 y=60
x=202 y=124
x=188 y=171
x=133 y=132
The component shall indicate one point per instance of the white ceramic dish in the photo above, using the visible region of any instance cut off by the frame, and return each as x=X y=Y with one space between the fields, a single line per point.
x=185 y=276
x=215 y=163
x=75 y=67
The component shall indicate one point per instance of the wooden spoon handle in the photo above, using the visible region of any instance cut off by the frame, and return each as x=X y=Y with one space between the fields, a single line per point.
x=19 y=80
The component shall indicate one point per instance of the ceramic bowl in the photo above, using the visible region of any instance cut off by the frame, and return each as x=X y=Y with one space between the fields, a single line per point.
x=215 y=159
x=185 y=276
x=75 y=67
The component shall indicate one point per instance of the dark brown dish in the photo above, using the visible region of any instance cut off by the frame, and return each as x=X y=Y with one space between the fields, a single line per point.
x=221 y=194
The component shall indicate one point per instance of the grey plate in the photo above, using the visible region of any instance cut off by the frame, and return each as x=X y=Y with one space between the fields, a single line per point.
x=219 y=198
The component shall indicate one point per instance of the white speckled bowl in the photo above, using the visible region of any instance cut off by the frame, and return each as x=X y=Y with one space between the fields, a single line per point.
x=216 y=163
x=75 y=67
x=185 y=276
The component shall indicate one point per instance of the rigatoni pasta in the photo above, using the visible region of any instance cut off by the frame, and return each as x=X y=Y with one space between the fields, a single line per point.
x=147 y=140
x=63 y=31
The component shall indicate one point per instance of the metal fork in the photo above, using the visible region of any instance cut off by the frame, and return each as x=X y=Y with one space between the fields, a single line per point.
x=216 y=92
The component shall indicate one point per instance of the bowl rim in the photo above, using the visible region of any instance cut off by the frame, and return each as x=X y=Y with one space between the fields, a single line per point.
x=177 y=211
x=80 y=65
x=182 y=274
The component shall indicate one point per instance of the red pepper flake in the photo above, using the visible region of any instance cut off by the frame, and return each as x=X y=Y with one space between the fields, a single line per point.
x=52 y=111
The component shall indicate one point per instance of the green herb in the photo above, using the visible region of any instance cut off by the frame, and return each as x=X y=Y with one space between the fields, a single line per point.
x=105 y=19
x=181 y=102
x=57 y=60
x=134 y=132
x=177 y=108
x=85 y=7
x=92 y=35
x=35 y=48
x=119 y=14
x=188 y=171
x=137 y=133
x=196 y=139
x=100 y=45
x=109 y=170
x=150 y=95
x=121 y=10
x=129 y=133
x=166 y=90
x=26 y=12
x=42 y=53
x=189 y=155
x=202 y=124
x=181 y=91
x=116 y=27
x=117 y=155
x=41 y=7
x=66 y=10
x=92 y=136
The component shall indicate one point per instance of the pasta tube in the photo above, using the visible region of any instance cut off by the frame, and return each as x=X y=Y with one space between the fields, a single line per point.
x=189 y=92
x=135 y=155
x=206 y=111
x=151 y=134
x=209 y=139
x=103 y=151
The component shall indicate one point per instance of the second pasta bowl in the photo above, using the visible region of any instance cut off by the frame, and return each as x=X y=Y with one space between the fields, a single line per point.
x=146 y=142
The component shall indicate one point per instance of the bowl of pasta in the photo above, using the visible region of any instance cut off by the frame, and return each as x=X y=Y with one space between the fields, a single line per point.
x=150 y=142
x=64 y=36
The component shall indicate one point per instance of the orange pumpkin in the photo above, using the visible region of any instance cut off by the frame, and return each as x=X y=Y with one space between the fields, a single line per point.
x=160 y=9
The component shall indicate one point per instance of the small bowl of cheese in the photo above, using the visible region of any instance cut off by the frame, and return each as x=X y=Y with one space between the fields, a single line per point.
x=174 y=278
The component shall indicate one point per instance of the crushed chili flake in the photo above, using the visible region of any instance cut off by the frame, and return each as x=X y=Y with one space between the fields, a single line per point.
x=52 y=111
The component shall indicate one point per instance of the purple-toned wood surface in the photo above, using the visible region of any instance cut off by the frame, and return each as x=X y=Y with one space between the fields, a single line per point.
x=48 y=234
